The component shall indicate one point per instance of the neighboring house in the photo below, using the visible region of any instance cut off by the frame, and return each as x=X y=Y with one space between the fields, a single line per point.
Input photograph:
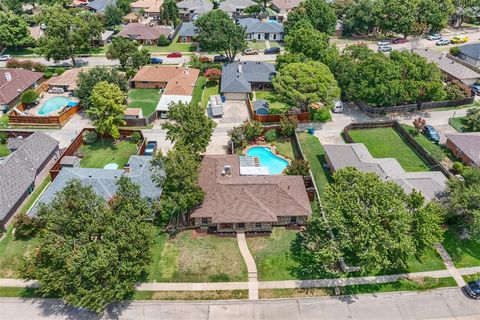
x=36 y=32
x=150 y=7
x=187 y=33
x=235 y=7
x=356 y=155
x=19 y=170
x=105 y=38
x=176 y=84
x=252 y=203
x=470 y=53
x=67 y=80
x=192 y=9
x=262 y=30
x=13 y=82
x=453 y=70
x=144 y=34
x=466 y=147
x=284 y=6
x=98 y=6
x=241 y=78
x=103 y=181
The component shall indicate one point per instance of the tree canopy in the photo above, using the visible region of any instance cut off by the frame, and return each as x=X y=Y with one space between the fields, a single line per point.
x=130 y=57
x=113 y=16
x=317 y=12
x=169 y=12
x=14 y=31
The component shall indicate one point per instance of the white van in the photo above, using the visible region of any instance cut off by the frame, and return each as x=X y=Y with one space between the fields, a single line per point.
x=338 y=107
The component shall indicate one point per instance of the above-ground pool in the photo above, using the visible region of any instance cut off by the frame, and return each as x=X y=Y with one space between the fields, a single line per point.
x=53 y=104
x=267 y=159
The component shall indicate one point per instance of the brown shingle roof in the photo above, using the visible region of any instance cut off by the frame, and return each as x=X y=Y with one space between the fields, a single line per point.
x=14 y=81
x=286 y=4
x=68 y=79
x=141 y=31
x=468 y=143
x=148 y=5
x=180 y=81
x=237 y=199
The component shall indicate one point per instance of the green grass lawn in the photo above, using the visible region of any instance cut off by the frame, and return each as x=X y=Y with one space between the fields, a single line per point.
x=286 y=148
x=459 y=124
x=420 y=284
x=98 y=154
x=4 y=151
x=12 y=252
x=272 y=254
x=211 y=88
x=198 y=91
x=471 y=277
x=315 y=155
x=260 y=45
x=275 y=105
x=464 y=253
x=145 y=99
x=4 y=120
x=196 y=258
x=387 y=143
x=174 y=47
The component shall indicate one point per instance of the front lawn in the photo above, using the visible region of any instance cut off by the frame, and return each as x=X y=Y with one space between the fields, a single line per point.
x=276 y=106
x=192 y=257
x=459 y=124
x=100 y=153
x=20 y=52
x=286 y=148
x=211 y=88
x=464 y=253
x=260 y=45
x=145 y=99
x=173 y=47
x=12 y=252
x=387 y=143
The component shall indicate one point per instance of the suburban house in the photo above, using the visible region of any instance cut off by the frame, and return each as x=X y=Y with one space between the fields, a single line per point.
x=20 y=169
x=235 y=7
x=67 y=80
x=262 y=30
x=466 y=147
x=237 y=201
x=98 y=6
x=175 y=83
x=284 y=6
x=151 y=8
x=470 y=53
x=192 y=9
x=103 y=181
x=241 y=78
x=13 y=82
x=187 y=32
x=452 y=69
x=144 y=34
x=430 y=183
x=105 y=38
x=35 y=32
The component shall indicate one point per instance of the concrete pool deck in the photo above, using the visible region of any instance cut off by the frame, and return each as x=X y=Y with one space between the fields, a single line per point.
x=44 y=96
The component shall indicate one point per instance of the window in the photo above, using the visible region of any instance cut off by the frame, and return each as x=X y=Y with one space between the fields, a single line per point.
x=274 y=36
x=258 y=225
x=241 y=225
x=293 y=219
x=204 y=220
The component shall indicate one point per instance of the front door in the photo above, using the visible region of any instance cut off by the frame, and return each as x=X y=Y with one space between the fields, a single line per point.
x=267 y=36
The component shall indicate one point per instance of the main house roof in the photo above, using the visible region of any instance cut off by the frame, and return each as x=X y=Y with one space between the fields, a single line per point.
x=232 y=6
x=180 y=81
x=66 y=79
x=471 y=50
x=253 y=25
x=140 y=31
x=244 y=199
x=188 y=29
x=14 y=81
x=238 y=76
x=468 y=144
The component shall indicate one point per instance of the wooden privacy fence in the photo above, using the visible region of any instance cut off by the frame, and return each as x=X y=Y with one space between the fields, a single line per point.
x=141 y=122
x=272 y=118
x=58 y=120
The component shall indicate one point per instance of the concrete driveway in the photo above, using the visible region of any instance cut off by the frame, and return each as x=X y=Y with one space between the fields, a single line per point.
x=234 y=112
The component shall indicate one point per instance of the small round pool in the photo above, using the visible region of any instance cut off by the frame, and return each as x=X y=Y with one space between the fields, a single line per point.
x=53 y=104
x=275 y=164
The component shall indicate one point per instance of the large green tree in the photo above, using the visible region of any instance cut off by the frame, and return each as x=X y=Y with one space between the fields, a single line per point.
x=128 y=54
x=399 y=16
x=91 y=253
x=67 y=33
x=169 y=13
x=465 y=9
x=107 y=104
x=317 y=12
x=313 y=44
x=434 y=14
x=113 y=16
x=14 y=31
x=362 y=17
x=218 y=33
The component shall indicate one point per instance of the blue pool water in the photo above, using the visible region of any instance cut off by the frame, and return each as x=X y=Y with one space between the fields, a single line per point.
x=267 y=159
x=53 y=104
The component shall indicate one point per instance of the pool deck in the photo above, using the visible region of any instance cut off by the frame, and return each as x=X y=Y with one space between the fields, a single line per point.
x=44 y=96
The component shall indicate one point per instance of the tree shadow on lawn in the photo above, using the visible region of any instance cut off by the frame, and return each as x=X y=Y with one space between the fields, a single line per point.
x=458 y=248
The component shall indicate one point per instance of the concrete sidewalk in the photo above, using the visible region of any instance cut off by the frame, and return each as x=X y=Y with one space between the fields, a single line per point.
x=251 y=266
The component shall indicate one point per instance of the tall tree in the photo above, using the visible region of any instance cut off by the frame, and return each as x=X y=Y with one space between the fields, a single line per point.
x=49 y=3
x=107 y=104
x=14 y=31
x=113 y=16
x=218 y=33
x=320 y=15
x=169 y=13
x=434 y=14
x=122 y=49
x=67 y=33
x=91 y=253
x=465 y=9
x=399 y=16
x=362 y=17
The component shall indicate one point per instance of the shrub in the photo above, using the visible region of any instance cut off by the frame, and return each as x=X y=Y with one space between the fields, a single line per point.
x=25 y=226
x=27 y=65
x=271 y=135
x=48 y=75
x=237 y=136
x=3 y=138
x=29 y=96
x=418 y=124
x=454 y=51
x=288 y=125
x=456 y=90
x=213 y=74
x=163 y=41
x=253 y=130
x=89 y=137
x=320 y=115
x=136 y=137
x=457 y=167
x=59 y=71
x=39 y=67
x=298 y=168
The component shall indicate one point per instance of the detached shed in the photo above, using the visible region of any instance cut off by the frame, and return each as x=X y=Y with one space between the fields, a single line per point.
x=261 y=107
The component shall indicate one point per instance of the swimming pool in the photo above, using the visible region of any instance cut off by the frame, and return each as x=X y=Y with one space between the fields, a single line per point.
x=53 y=104
x=267 y=159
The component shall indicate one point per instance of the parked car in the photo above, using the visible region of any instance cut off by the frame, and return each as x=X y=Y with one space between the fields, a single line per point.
x=221 y=58
x=382 y=43
x=431 y=133
x=473 y=289
x=459 y=39
x=386 y=48
x=435 y=36
x=399 y=40
x=5 y=57
x=174 y=55
x=156 y=60
x=475 y=88
x=250 y=51
x=338 y=106
x=272 y=50
x=442 y=42
x=151 y=148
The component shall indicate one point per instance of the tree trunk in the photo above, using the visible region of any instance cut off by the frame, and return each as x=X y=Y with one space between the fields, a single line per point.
x=72 y=57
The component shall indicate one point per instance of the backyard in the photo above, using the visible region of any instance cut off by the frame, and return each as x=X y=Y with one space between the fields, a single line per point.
x=286 y=148
x=275 y=105
x=387 y=143
x=464 y=252
x=459 y=124
x=211 y=88
x=197 y=94
x=193 y=257
x=4 y=151
x=102 y=152
x=145 y=99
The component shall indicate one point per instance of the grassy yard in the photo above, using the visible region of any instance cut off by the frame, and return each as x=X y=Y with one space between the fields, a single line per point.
x=20 y=52
x=100 y=153
x=4 y=120
x=12 y=252
x=211 y=88
x=471 y=277
x=4 y=151
x=464 y=253
x=286 y=148
x=272 y=254
x=387 y=143
x=260 y=45
x=173 y=47
x=459 y=124
x=315 y=155
x=196 y=258
x=275 y=105
x=145 y=99
x=198 y=91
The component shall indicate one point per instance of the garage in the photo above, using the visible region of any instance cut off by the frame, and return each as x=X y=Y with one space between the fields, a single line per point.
x=235 y=96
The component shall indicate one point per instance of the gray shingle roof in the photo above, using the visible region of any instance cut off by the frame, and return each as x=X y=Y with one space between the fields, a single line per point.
x=261 y=106
x=104 y=181
x=19 y=169
x=234 y=5
x=100 y=5
x=253 y=25
x=238 y=76
x=188 y=29
x=195 y=6
x=468 y=143
x=471 y=50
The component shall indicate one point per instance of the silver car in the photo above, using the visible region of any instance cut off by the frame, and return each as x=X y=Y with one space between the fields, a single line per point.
x=5 y=57
x=386 y=48
x=383 y=43
x=443 y=42
x=433 y=37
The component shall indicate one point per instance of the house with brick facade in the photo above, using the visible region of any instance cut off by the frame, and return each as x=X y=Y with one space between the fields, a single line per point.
x=144 y=34
x=13 y=82
x=235 y=200
x=466 y=147
x=187 y=33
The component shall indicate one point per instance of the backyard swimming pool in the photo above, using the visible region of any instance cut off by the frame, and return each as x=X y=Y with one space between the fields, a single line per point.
x=53 y=104
x=267 y=159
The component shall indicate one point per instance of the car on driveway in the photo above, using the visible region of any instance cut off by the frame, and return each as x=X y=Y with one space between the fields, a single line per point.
x=156 y=60
x=272 y=50
x=150 y=149
x=442 y=42
x=431 y=133
x=476 y=88
x=473 y=289
x=5 y=57
x=459 y=39
x=399 y=40
x=250 y=51
x=435 y=36
x=382 y=43
x=386 y=48
x=220 y=59
x=174 y=55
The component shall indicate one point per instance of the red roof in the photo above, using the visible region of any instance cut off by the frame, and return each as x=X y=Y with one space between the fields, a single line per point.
x=13 y=82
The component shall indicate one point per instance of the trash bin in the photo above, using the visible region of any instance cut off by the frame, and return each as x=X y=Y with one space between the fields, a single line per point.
x=223 y=98
x=311 y=130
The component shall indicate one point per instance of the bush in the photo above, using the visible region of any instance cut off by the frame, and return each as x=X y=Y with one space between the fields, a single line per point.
x=3 y=138
x=136 y=137
x=271 y=135
x=288 y=125
x=298 y=168
x=37 y=66
x=59 y=71
x=454 y=51
x=237 y=136
x=29 y=97
x=213 y=74
x=253 y=130
x=89 y=137
x=163 y=41
x=456 y=90
x=27 y=65
x=457 y=167
x=320 y=115
x=25 y=226
x=48 y=75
